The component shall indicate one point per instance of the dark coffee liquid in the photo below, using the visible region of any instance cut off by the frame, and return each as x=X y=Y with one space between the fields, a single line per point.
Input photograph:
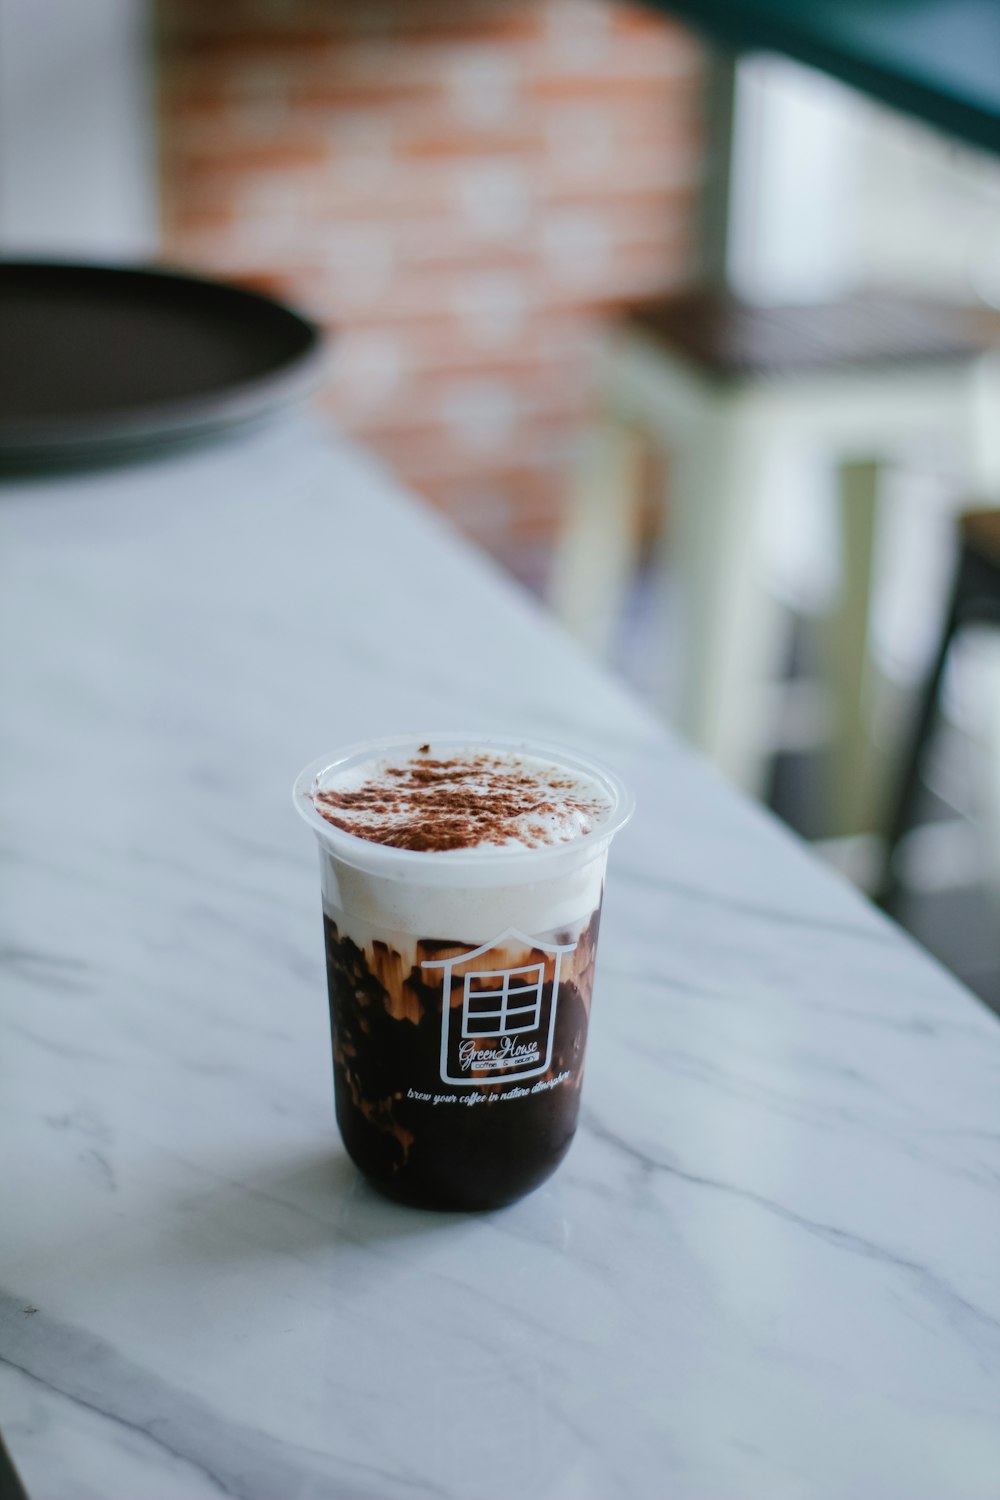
x=469 y=1106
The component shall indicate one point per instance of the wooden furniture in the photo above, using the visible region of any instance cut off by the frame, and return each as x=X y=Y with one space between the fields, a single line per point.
x=723 y=387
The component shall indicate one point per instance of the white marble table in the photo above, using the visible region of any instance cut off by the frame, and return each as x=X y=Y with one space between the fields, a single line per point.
x=770 y=1267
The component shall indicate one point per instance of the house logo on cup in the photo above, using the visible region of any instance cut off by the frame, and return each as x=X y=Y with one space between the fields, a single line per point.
x=498 y=1022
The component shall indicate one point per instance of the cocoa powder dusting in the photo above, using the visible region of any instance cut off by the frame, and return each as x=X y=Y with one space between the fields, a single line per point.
x=459 y=803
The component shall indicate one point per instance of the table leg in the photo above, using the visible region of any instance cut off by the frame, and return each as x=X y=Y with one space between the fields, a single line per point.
x=856 y=774
x=725 y=621
x=597 y=552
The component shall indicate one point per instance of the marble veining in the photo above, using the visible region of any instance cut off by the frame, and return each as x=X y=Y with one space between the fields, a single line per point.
x=767 y=1269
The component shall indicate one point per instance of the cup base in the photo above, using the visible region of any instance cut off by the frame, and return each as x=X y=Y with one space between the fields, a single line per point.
x=443 y=1196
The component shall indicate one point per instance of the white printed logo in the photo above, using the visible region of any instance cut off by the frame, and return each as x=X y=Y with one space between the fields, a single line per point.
x=505 y=1024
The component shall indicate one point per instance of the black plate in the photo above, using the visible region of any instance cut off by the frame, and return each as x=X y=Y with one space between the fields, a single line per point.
x=99 y=361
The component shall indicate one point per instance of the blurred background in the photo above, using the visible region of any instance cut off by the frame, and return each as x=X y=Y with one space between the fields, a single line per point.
x=498 y=209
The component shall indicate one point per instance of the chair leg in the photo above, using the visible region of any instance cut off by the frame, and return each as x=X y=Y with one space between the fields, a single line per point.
x=597 y=551
x=991 y=808
x=853 y=794
x=723 y=620
x=887 y=895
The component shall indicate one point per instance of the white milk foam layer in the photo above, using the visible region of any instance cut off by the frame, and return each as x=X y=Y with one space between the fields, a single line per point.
x=570 y=804
x=366 y=906
x=437 y=895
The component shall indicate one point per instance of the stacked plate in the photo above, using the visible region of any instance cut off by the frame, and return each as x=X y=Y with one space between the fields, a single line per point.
x=99 y=363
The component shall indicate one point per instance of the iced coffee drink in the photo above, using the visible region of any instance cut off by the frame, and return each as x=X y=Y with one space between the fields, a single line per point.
x=462 y=882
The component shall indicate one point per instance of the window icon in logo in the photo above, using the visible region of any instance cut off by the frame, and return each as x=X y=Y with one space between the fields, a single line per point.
x=499 y=1022
x=515 y=1005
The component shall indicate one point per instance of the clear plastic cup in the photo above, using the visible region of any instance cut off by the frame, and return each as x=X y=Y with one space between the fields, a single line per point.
x=460 y=986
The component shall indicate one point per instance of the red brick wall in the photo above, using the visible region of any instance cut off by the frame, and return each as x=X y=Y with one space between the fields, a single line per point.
x=462 y=189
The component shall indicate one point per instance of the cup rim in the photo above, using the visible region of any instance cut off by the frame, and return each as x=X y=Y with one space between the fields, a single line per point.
x=516 y=865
